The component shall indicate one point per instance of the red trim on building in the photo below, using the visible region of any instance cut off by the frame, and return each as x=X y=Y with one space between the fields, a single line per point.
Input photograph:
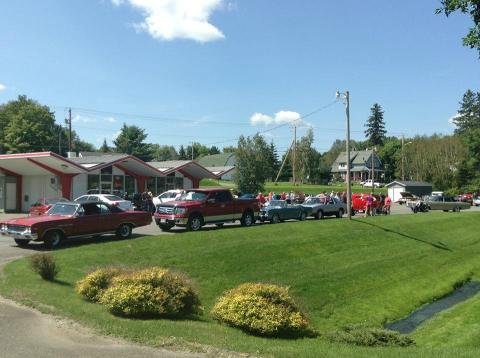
x=65 y=179
x=195 y=181
x=19 y=184
x=139 y=178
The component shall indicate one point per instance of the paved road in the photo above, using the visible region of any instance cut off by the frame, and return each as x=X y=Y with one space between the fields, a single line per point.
x=27 y=333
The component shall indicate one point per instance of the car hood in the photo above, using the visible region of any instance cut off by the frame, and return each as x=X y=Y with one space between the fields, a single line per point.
x=30 y=220
x=183 y=203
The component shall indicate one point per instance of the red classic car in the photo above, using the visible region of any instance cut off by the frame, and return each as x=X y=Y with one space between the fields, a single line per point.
x=42 y=205
x=67 y=220
x=359 y=202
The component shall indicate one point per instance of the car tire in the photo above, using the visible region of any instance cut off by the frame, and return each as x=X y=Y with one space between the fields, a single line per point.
x=275 y=219
x=195 y=222
x=340 y=213
x=124 y=231
x=320 y=214
x=219 y=225
x=22 y=243
x=303 y=216
x=52 y=239
x=165 y=227
x=247 y=219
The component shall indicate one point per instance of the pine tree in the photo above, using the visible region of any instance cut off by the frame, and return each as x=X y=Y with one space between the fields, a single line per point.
x=375 y=131
x=468 y=117
x=182 y=155
x=105 y=148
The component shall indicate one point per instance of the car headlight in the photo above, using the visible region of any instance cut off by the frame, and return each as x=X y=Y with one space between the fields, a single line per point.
x=180 y=210
x=4 y=227
x=28 y=230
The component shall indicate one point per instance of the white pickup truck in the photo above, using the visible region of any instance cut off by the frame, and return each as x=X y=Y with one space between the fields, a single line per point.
x=369 y=183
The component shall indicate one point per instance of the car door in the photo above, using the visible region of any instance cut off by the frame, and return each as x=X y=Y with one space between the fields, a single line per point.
x=87 y=219
x=216 y=208
x=109 y=221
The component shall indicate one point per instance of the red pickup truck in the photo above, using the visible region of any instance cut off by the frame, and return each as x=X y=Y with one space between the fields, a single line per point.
x=197 y=207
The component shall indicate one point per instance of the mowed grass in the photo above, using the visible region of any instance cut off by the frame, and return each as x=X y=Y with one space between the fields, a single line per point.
x=288 y=187
x=372 y=270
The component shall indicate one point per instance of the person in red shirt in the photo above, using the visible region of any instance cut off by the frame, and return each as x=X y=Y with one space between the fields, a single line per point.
x=261 y=199
x=388 y=203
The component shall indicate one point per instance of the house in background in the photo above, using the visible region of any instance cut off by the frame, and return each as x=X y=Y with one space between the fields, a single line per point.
x=180 y=174
x=222 y=165
x=360 y=166
x=418 y=188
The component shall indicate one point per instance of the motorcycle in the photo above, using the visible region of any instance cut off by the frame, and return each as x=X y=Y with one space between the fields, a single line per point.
x=420 y=207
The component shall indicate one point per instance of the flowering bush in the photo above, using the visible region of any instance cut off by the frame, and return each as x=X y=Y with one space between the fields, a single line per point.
x=262 y=309
x=151 y=292
x=92 y=286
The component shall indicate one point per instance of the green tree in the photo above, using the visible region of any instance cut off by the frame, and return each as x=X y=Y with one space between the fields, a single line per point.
x=391 y=155
x=272 y=161
x=27 y=126
x=131 y=141
x=251 y=175
x=182 y=155
x=229 y=149
x=471 y=7
x=468 y=117
x=105 y=148
x=375 y=125
x=213 y=150
x=163 y=152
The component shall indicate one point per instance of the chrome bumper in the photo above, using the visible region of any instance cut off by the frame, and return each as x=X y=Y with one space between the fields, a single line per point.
x=27 y=236
x=171 y=220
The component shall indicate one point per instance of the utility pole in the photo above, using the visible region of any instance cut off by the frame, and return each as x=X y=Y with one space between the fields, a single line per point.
x=403 y=159
x=192 y=151
x=346 y=96
x=70 y=129
x=373 y=170
x=294 y=152
x=60 y=140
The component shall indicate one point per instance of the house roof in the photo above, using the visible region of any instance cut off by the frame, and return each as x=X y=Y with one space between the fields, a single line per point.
x=38 y=163
x=188 y=167
x=408 y=183
x=356 y=157
x=218 y=160
x=221 y=171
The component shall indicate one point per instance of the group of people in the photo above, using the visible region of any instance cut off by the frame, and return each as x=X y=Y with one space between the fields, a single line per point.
x=142 y=201
x=290 y=197
x=372 y=207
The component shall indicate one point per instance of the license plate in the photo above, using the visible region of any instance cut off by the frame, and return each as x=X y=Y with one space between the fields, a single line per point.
x=163 y=220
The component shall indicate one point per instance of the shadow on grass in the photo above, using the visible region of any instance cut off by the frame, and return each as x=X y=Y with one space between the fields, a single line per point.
x=438 y=245
x=61 y=282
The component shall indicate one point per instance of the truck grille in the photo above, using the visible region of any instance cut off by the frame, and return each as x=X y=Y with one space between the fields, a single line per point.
x=16 y=228
x=165 y=210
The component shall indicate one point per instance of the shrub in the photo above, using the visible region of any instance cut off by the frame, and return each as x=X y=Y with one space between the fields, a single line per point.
x=92 y=286
x=262 y=309
x=45 y=266
x=151 y=292
x=362 y=335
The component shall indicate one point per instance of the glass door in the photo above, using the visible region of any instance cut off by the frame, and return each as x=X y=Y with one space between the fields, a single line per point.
x=106 y=187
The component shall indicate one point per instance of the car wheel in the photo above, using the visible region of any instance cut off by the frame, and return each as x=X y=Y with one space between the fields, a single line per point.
x=124 y=231
x=194 y=223
x=456 y=209
x=52 y=239
x=165 y=227
x=247 y=219
x=275 y=219
x=354 y=212
x=22 y=243
x=340 y=213
x=303 y=216
x=320 y=214
x=219 y=225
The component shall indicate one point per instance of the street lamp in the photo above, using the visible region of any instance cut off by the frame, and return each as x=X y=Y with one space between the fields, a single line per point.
x=346 y=100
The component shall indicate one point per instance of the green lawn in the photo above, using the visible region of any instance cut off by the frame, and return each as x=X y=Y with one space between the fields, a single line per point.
x=287 y=187
x=372 y=270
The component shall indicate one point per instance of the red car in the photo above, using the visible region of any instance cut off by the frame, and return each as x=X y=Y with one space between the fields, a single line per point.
x=67 y=220
x=467 y=198
x=197 y=207
x=359 y=202
x=43 y=205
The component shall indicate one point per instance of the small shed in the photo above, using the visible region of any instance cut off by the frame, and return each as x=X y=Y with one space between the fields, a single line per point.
x=418 y=188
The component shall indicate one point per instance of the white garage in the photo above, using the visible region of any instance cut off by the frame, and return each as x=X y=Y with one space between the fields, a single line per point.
x=417 y=188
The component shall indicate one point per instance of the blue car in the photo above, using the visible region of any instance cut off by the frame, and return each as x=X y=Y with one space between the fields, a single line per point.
x=278 y=210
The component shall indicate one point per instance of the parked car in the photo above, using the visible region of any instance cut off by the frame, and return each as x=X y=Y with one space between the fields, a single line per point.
x=66 y=220
x=466 y=198
x=476 y=201
x=106 y=198
x=42 y=205
x=318 y=207
x=279 y=210
x=197 y=207
x=406 y=197
x=359 y=203
x=119 y=193
x=167 y=196
x=369 y=183
x=445 y=203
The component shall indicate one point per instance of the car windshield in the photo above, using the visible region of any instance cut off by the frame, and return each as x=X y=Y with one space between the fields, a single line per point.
x=193 y=195
x=312 y=201
x=63 y=209
x=278 y=203
x=112 y=197
x=54 y=201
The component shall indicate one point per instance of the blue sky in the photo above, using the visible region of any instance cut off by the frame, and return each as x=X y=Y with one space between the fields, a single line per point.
x=203 y=76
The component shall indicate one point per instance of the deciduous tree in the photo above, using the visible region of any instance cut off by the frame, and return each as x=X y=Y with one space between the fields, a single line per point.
x=252 y=160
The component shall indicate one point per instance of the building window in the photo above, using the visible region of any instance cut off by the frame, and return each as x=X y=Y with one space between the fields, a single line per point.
x=106 y=178
x=93 y=181
x=106 y=170
x=118 y=182
x=342 y=166
x=129 y=184
x=178 y=183
x=160 y=185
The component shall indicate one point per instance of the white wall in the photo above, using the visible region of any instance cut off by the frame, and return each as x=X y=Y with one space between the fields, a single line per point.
x=79 y=185
x=39 y=186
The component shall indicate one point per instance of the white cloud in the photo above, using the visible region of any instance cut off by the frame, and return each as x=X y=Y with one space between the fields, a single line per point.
x=82 y=119
x=2 y=87
x=110 y=120
x=278 y=118
x=177 y=19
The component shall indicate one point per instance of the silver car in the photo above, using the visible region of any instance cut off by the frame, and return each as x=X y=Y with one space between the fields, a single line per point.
x=318 y=207
x=114 y=200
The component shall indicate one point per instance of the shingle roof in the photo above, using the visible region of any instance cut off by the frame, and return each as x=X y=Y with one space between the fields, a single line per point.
x=218 y=160
x=406 y=183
